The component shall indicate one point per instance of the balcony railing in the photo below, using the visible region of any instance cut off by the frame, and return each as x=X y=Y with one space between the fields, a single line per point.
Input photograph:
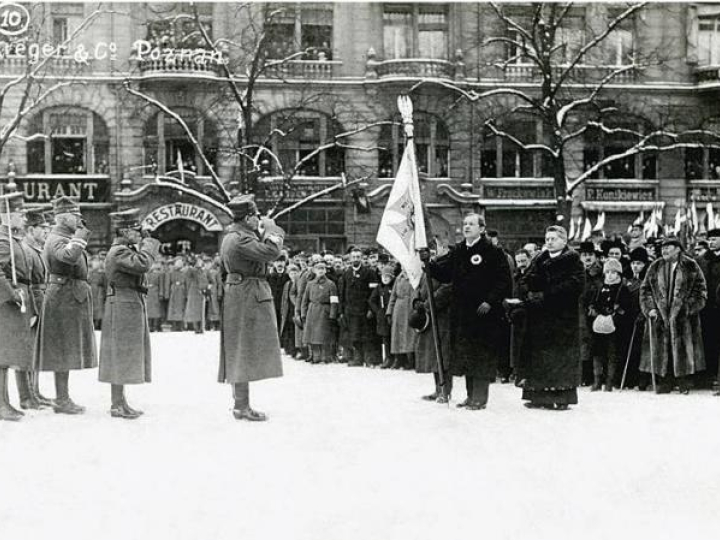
x=178 y=64
x=305 y=69
x=581 y=72
x=708 y=76
x=269 y=189
x=416 y=68
x=57 y=65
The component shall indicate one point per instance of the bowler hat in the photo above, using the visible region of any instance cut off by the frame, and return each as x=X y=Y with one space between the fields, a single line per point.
x=66 y=205
x=242 y=206
x=586 y=247
x=126 y=219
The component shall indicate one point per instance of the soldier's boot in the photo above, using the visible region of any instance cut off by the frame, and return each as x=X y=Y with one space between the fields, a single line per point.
x=7 y=412
x=35 y=382
x=437 y=392
x=610 y=378
x=6 y=393
x=119 y=408
x=597 y=375
x=24 y=386
x=445 y=391
x=469 y=384
x=242 y=409
x=63 y=404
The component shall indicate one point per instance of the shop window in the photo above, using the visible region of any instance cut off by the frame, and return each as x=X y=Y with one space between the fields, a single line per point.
x=501 y=157
x=415 y=31
x=432 y=147
x=68 y=141
x=173 y=25
x=702 y=163
x=294 y=136
x=299 y=27
x=167 y=146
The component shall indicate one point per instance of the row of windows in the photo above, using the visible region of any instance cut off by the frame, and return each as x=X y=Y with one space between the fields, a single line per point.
x=69 y=140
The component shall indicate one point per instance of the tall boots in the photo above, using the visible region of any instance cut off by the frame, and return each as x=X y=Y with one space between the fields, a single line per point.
x=63 y=404
x=241 y=409
x=469 y=383
x=120 y=407
x=26 y=391
x=7 y=411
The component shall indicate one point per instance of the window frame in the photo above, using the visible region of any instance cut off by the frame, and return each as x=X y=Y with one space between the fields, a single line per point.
x=293 y=17
x=415 y=10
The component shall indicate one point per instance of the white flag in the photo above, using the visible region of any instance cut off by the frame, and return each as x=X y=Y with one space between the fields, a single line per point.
x=600 y=225
x=710 y=216
x=587 y=231
x=402 y=227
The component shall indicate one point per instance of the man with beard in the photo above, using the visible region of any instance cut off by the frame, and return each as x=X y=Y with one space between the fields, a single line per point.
x=250 y=347
x=36 y=233
x=66 y=338
x=481 y=280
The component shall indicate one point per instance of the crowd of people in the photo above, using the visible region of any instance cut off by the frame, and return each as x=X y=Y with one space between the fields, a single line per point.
x=606 y=313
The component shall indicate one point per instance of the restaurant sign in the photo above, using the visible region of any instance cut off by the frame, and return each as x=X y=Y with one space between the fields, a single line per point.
x=46 y=188
x=191 y=212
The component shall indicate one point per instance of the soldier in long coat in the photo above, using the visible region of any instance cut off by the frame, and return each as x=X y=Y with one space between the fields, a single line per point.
x=319 y=308
x=66 y=338
x=671 y=297
x=153 y=300
x=98 y=286
x=481 y=279
x=249 y=343
x=35 y=234
x=16 y=343
x=177 y=295
x=402 y=337
x=356 y=286
x=125 y=356
x=196 y=285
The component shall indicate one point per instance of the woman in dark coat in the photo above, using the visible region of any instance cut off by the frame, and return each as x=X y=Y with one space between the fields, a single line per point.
x=555 y=284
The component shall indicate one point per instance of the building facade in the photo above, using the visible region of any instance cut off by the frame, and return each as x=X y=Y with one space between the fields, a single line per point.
x=332 y=72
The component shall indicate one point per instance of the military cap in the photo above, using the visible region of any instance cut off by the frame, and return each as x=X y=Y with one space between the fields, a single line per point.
x=12 y=202
x=36 y=218
x=713 y=233
x=242 y=206
x=66 y=205
x=125 y=219
x=672 y=241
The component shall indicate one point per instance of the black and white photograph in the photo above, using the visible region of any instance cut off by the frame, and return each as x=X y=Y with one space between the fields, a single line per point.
x=359 y=270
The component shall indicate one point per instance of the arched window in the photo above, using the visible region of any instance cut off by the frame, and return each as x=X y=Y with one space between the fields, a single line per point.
x=432 y=146
x=67 y=140
x=166 y=143
x=294 y=136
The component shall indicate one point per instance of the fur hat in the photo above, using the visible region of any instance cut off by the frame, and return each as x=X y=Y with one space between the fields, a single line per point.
x=612 y=265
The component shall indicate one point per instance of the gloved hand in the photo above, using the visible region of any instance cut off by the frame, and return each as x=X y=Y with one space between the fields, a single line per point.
x=82 y=233
x=483 y=309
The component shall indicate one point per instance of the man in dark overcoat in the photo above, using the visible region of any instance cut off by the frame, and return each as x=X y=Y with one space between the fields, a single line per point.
x=671 y=297
x=249 y=343
x=710 y=315
x=356 y=286
x=125 y=356
x=481 y=279
x=66 y=338
x=16 y=343
x=36 y=232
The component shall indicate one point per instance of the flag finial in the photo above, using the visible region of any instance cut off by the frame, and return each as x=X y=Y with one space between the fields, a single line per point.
x=406 y=111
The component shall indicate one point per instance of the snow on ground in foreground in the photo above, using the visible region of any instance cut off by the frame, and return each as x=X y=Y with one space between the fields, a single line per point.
x=353 y=453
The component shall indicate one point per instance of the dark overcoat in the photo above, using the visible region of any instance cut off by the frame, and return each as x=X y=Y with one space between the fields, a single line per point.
x=215 y=296
x=552 y=341
x=196 y=286
x=294 y=311
x=152 y=301
x=277 y=284
x=98 y=286
x=249 y=342
x=378 y=303
x=16 y=339
x=125 y=356
x=38 y=274
x=402 y=337
x=425 y=354
x=479 y=273
x=177 y=296
x=66 y=338
x=319 y=307
x=676 y=334
x=356 y=286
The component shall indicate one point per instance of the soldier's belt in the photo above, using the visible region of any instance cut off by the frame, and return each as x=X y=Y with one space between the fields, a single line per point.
x=112 y=289
x=57 y=279
x=233 y=278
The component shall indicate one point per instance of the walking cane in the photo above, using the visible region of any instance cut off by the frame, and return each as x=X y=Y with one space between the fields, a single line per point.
x=382 y=308
x=627 y=360
x=652 y=356
x=13 y=267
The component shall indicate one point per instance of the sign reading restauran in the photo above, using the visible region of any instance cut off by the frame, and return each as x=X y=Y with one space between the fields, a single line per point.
x=46 y=188
x=171 y=212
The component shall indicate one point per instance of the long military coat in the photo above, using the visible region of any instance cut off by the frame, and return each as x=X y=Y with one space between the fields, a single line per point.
x=319 y=307
x=249 y=343
x=402 y=337
x=66 y=338
x=216 y=290
x=478 y=273
x=152 y=301
x=676 y=333
x=38 y=274
x=125 y=356
x=98 y=288
x=196 y=285
x=16 y=339
x=177 y=296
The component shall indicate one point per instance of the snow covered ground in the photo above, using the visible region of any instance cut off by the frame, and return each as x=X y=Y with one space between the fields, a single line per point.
x=353 y=453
